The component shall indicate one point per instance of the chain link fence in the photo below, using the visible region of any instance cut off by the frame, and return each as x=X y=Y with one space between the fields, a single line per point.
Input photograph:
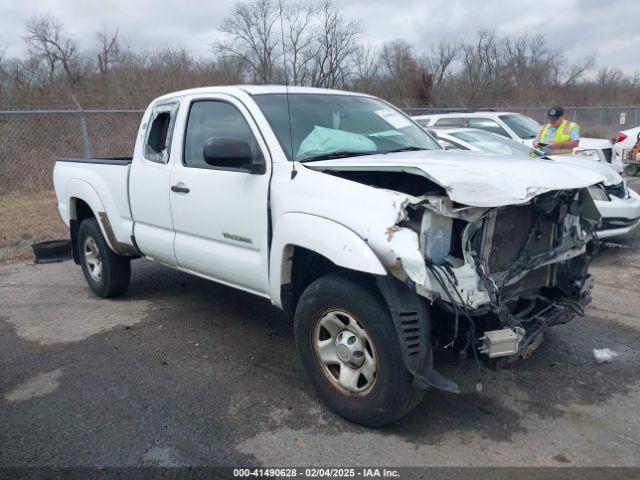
x=30 y=141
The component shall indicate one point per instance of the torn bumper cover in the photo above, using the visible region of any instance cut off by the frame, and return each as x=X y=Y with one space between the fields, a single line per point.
x=487 y=243
x=511 y=272
x=521 y=340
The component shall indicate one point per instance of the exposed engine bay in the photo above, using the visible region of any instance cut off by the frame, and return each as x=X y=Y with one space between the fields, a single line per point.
x=495 y=277
x=531 y=263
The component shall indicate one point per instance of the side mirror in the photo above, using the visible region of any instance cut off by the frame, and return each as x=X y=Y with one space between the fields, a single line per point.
x=233 y=154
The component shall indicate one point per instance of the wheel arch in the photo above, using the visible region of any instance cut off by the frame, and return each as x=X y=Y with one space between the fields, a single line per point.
x=306 y=246
x=83 y=203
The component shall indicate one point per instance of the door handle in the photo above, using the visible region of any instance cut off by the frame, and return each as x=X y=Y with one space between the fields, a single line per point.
x=179 y=189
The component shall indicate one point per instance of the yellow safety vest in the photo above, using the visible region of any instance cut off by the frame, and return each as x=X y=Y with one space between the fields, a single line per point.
x=562 y=134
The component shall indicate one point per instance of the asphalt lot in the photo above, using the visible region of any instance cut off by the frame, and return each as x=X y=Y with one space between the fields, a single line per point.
x=182 y=371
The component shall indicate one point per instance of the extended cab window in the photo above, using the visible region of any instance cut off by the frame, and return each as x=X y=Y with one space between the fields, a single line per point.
x=157 y=145
x=487 y=125
x=213 y=119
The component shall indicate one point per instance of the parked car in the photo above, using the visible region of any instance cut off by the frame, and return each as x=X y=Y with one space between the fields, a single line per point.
x=619 y=205
x=347 y=215
x=518 y=127
x=623 y=143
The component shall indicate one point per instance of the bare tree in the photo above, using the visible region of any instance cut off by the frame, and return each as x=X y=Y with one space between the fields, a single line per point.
x=298 y=21
x=229 y=70
x=396 y=57
x=366 y=69
x=46 y=37
x=482 y=69
x=441 y=58
x=321 y=47
x=405 y=78
x=334 y=48
x=578 y=69
x=252 y=37
x=4 y=74
x=108 y=49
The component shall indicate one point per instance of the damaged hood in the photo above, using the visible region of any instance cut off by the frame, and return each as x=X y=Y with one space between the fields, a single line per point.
x=611 y=176
x=474 y=179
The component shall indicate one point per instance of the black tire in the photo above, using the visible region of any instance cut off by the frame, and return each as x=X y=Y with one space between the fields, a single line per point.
x=631 y=169
x=115 y=270
x=391 y=395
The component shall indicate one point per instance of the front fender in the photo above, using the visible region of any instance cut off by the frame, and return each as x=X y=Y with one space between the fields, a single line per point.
x=325 y=237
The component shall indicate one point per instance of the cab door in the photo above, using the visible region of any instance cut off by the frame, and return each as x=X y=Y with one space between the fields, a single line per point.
x=149 y=186
x=219 y=208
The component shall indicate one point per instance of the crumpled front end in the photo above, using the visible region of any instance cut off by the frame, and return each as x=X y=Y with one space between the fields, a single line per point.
x=500 y=275
x=498 y=246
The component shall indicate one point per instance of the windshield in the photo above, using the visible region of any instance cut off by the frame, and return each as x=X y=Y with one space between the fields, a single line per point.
x=332 y=126
x=523 y=126
x=493 y=143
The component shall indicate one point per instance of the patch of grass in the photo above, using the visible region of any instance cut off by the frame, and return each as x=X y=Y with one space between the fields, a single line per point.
x=26 y=218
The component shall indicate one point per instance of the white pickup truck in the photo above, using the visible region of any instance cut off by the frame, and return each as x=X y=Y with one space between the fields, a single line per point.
x=347 y=215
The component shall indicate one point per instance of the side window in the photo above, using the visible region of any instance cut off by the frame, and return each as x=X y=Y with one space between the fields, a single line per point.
x=488 y=125
x=450 y=122
x=157 y=144
x=215 y=120
x=447 y=145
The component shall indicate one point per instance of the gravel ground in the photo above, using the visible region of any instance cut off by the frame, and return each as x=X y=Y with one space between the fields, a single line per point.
x=182 y=371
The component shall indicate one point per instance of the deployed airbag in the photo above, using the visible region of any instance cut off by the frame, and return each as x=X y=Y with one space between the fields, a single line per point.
x=323 y=140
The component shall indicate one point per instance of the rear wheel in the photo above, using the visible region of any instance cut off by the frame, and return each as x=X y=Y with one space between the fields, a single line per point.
x=106 y=272
x=350 y=351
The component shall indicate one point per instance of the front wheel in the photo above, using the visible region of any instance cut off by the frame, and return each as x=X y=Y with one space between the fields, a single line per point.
x=350 y=351
x=106 y=272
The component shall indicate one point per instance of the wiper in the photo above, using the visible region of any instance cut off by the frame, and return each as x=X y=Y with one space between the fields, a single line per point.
x=340 y=154
x=404 y=149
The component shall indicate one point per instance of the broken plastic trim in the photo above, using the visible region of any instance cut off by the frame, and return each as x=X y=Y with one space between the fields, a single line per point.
x=413 y=325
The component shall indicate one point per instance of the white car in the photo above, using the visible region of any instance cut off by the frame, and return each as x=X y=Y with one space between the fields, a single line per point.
x=622 y=145
x=619 y=206
x=348 y=216
x=518 y=127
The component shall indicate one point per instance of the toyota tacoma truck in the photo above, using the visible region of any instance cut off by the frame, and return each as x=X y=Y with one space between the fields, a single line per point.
x=348 y=216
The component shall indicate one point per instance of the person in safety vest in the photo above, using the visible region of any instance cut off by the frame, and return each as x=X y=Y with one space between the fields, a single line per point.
x=558 y=136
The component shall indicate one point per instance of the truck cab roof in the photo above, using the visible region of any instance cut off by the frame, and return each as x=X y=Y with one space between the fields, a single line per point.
x=254 y=90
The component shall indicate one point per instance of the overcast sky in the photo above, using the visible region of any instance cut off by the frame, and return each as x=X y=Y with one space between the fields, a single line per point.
x=608 y=29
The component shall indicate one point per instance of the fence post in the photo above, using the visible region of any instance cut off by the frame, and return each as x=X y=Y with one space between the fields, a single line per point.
x=83 y=127
x=85 y=136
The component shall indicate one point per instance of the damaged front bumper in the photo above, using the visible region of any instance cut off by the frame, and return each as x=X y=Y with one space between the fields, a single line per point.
x=524 y=337
x=497 y=278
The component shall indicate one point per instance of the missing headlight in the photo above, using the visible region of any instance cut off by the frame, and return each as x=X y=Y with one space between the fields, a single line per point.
x=598 y=193
x=435 y=237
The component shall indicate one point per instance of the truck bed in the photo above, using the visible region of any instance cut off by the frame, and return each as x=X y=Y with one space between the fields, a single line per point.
x=103 y=183
x=99 y=160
